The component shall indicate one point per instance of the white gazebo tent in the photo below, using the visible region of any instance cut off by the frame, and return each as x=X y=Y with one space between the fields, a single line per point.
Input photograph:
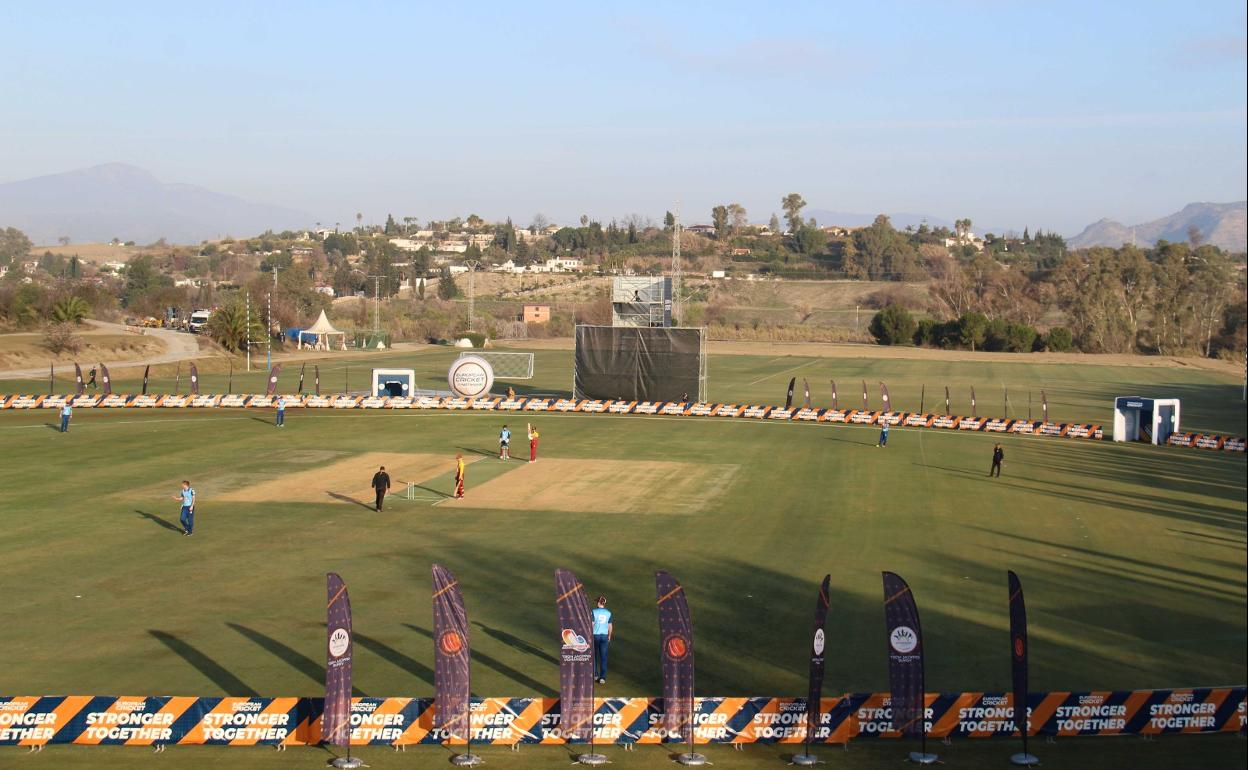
x=323 y=330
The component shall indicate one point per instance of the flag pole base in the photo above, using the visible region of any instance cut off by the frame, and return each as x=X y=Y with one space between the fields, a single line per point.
x=346 y=763
x=592 y=760
x=804 y=760
x=691 y=759
x=466 y=760
x=1024 y=759
x=922 y=758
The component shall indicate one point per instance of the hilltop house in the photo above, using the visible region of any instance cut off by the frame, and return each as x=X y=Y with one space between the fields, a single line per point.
x=536 y=314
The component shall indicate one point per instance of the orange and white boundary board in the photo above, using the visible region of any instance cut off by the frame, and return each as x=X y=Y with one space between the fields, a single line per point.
x=563 y=405
x=158 y=721
x=584 y=406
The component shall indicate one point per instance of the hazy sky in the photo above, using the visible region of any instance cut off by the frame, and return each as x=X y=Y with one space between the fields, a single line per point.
x=1012 y=113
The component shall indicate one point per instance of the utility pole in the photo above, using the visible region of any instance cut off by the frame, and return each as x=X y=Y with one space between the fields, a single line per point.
x=268 y=353
x=248 y=296
x=676 y=263
x=472 y=266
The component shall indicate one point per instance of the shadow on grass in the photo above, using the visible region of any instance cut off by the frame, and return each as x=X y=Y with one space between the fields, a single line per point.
x=491 y=662
x=160 y=522
x=345 y=499
x=297 y=660
x=404 y=662
x=512 y=640
x=217 y=673
x=431 y=490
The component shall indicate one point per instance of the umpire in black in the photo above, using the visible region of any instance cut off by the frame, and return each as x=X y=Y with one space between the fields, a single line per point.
x=998 y=457
x=381 y=485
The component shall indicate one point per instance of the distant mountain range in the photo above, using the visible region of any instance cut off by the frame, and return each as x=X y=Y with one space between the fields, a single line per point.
x=1224 y=225
x=116 y=200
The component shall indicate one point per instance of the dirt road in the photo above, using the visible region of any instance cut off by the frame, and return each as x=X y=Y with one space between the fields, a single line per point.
x=179 y=346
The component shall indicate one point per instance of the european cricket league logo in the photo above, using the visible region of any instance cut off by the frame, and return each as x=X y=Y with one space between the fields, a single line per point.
x=470 y=377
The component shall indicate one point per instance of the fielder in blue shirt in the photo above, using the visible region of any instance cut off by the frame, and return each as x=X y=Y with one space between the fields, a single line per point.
x=883 y=435
x=187 y=496
x=281 y=412
x=603 y=629
x=67 y=411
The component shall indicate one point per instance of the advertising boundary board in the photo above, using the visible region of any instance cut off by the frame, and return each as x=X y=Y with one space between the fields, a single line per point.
x=97 y=720
x=1090 y=431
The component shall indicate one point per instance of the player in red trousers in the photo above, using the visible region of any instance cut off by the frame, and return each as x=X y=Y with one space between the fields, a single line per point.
x=533 y=436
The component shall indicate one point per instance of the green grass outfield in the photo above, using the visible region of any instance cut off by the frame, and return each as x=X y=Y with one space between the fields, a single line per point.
x=1133 y=557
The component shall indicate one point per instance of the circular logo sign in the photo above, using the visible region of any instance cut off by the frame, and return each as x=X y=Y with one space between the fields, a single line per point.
x=903 y=639
x=818 y=643
x=339 y=641
x=574 y=641
x=676 y=647
x=451 y=643
x=470 y=377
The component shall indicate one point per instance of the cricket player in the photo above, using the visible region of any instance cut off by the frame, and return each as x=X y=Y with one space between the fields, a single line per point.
x=187 y=496
x=459 y=475
x=603 y=629
x=381 y=485
x=883 y=435
x=533 y=436
x=281 y=412
x=67 y=412
x=998 y=457
x=504 y=443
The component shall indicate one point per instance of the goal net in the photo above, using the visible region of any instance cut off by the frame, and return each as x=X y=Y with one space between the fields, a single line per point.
x=506 y=366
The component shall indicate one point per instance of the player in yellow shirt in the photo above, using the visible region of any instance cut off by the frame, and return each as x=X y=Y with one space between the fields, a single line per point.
x=533 y=436
x=459 y=475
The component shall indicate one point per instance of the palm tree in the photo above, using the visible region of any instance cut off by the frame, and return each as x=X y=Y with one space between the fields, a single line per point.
x=359 y=220
x=70 y=310
x=228 y=327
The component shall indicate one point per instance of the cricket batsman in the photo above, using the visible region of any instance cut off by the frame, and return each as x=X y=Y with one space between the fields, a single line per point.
x=504 y=443
x=533 y=436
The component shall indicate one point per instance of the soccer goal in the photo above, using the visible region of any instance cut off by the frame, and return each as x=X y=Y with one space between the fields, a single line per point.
x=506 y=366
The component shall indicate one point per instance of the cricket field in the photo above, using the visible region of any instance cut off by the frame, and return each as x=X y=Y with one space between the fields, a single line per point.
x=1133 y=557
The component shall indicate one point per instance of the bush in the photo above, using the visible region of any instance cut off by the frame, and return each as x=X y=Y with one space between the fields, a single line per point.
x=996 y=335
x=928 y=333
x=447 y=288
x=476 y=338
x=1059 y=340
x=893 y=326
x=972 y=330
x=1009 y=337
x=59 y=338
